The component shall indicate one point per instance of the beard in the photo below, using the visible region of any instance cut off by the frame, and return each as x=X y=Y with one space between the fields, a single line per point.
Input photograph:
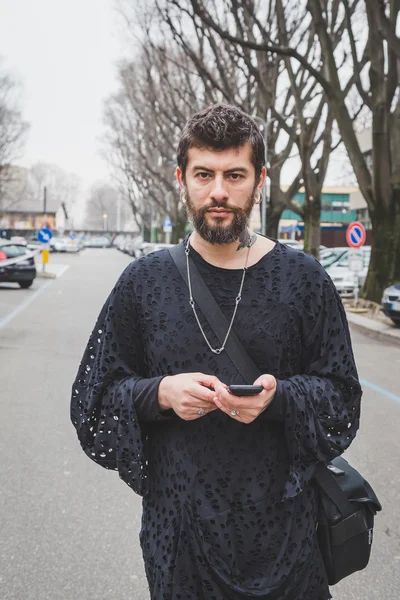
x=217 y=233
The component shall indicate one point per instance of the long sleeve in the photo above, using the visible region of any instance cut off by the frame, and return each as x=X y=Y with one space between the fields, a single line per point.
x=321 y=407
x=111 y=396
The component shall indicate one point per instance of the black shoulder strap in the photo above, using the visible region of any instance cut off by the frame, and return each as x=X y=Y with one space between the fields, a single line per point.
x=215 y=317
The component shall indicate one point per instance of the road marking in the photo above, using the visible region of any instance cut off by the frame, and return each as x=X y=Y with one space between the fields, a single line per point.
x=380 y=390
x=21 y=307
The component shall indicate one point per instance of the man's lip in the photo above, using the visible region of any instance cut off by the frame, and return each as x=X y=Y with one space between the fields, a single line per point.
x=219 y=210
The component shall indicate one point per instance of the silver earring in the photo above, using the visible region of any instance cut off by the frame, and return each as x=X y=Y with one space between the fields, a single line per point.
x=258 y=198
x=183 y=196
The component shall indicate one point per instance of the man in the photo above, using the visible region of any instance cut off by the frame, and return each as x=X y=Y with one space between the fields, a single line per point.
x=229 y=507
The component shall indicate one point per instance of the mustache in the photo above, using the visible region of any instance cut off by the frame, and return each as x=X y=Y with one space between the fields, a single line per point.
x=223 y=204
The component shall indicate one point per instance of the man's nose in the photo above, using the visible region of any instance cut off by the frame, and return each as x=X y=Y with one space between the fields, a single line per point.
x=218 y=191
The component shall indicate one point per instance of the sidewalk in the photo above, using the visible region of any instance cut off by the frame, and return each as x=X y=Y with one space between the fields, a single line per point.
x=376 y=329
x=53 y=270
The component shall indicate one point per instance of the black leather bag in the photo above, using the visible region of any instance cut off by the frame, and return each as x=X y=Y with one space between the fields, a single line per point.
x=347 y=504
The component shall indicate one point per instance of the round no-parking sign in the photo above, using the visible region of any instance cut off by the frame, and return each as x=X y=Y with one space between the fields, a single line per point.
x=356 y=235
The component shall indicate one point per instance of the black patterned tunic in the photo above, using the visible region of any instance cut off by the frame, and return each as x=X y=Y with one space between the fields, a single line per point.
x=229 y=510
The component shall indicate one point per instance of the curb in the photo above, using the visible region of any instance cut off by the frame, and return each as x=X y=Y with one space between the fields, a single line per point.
x=378 y=331
x=53 y=274
x=46 y=275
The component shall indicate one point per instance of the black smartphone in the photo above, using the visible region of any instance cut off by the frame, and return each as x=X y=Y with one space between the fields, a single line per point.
x=245 y=390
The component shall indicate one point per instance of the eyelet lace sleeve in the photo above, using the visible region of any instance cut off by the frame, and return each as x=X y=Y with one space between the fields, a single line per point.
x=109 y=388
x=322 y=405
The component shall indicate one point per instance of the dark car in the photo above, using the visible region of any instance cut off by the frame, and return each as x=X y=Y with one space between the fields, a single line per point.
x=22 y=272
x=391 y=303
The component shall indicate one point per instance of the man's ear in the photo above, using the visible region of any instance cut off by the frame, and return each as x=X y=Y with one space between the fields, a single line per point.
x=262 y=178
x=179 y=177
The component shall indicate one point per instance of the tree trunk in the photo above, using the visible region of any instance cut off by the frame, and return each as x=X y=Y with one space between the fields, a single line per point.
x=179 y=230
x=384 y=267
x=273 y=218
x=146 y=233
x=312 y=226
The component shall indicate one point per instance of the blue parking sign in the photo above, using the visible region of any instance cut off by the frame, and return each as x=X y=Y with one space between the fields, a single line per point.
x=44 y=235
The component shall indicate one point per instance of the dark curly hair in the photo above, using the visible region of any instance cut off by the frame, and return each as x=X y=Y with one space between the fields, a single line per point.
x=220 y=127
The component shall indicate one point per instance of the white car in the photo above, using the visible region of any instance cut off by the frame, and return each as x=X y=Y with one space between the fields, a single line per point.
x=346 y=280
x=18 y=239
x=292 y=243
x=100 y=241
x=329 y=256
x=64 y=244
x=391 y=303
x=147 y=248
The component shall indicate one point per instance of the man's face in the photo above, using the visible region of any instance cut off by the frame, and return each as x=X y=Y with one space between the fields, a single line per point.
x=220 y=191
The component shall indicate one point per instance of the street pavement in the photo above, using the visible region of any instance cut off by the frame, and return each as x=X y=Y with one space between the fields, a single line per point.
x=69 y=529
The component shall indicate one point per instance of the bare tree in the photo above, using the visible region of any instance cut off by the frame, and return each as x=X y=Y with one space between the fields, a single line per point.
x=180 y=70
x=371 y=43
x=12 y=128
x=190 y=66
x=143 y=123
x=63 y=189
x=102 y=206
x=249 y=80
x=267 y=85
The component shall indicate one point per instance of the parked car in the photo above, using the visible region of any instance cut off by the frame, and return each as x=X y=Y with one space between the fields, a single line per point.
x=297 y=244
x=100 y=241
x=292 y=243
x=391 y=303
x=154 y=247
x=120 y=241
x=138 y=250
x=33 y=243
x=18 y=239
x=22 y=272
x=328 y=256
x=65 y=244
x=345 y=280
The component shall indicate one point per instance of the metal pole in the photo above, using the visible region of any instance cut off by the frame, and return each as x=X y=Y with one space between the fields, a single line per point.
x=356 y=290
x=264 y=190
x=44 y=205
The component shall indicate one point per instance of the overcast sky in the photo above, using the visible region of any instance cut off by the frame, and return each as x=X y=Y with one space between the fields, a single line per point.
x=64 y=54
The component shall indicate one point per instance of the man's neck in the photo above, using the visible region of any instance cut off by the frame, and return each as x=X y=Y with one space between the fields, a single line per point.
x=231 y=255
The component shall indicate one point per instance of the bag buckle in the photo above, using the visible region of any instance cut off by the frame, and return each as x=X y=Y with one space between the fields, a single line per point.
x=335 y=470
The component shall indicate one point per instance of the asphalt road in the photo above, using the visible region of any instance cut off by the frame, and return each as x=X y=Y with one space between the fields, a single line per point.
x=69 y=529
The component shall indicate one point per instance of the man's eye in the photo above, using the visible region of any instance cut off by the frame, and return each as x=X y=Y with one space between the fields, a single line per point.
x=236 y=176
x=203 y=175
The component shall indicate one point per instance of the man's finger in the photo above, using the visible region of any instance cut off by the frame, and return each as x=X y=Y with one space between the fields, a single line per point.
x=208 y=380
x=199 y=392
x=238 y=402
x=200 y=411
x=224 y=409
x=241 y=417
x=267 y=381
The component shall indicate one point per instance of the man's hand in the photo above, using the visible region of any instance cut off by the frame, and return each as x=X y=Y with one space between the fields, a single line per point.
x=188 y=393
x=246 y=408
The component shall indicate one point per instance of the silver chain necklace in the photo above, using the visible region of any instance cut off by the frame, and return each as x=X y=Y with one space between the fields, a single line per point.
x=192 y=304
